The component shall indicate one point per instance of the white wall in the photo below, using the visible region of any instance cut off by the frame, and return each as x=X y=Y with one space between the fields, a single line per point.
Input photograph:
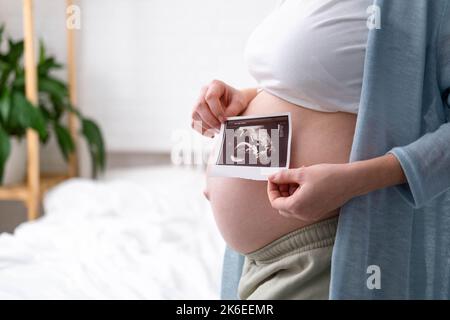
x=142 y=62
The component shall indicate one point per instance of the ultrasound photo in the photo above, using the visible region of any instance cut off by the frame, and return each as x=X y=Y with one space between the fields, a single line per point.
x=251 y=146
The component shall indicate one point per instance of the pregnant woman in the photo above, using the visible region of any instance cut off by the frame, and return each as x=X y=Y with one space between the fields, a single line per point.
x=309 y=59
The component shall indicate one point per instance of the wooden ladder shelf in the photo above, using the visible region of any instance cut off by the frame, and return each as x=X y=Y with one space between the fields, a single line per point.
x=32 y=191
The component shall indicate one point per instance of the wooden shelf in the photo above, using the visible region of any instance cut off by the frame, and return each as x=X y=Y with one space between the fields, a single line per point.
x=37 y=184
x=15 y=193
x=20 y=192
x=50 y=180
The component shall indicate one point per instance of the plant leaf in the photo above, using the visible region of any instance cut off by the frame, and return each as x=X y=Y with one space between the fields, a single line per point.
x=11 y=61
x=96 y=145
x=47 y=65
x=17 y=122
x=24 y=115
x=4 y=74
x=17 y=114
x=19 y=81
x=64 y=139
x=3 y=65
x=53 y=87
x=2 y=29
x=42 y=52
x=15 y=52
x=5 y=150
x=38 y=122
x=5 y=105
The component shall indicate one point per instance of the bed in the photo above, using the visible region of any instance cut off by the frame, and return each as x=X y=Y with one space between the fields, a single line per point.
x=136 y=234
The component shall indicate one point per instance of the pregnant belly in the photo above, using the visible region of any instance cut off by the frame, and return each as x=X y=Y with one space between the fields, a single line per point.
x=241 y=208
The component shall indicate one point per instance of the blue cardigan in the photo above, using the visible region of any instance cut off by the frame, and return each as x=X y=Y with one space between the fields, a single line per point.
x=405 y=110
x=404 y=230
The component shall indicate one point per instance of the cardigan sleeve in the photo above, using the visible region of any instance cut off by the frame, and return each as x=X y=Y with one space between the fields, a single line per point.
x=444 y=57
x=426 y=161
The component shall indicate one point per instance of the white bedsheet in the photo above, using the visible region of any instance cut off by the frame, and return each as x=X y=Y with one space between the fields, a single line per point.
x=139 y=234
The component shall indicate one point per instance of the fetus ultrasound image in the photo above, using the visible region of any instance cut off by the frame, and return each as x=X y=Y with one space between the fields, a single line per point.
x=255 y=142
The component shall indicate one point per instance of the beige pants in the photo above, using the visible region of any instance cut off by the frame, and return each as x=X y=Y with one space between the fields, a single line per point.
x=296 y=266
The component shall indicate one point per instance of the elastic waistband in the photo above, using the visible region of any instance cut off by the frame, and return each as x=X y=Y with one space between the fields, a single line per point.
x=317 y=235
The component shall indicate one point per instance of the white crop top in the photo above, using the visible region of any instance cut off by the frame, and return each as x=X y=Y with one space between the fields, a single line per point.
x=311 y=53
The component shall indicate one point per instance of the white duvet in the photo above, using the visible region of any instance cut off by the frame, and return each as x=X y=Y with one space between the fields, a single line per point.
x=139 y=234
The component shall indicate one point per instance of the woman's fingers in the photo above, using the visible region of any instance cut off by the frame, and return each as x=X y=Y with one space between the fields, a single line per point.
x=278 y=197
x=282 y=184
x=285 y=176
x=281 y=188
x=207 y=117
x=196 y=122
x=284 y=190
x=292 y=188
x=283 y=204
x=208 y=107
x=200 y=126
x=217 y=102
x=202 y=113
x=233 y=109
x=213 y=98
x=273 y=191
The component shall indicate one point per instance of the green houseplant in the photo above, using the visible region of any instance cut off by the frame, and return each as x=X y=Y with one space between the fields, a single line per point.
x=17 y=114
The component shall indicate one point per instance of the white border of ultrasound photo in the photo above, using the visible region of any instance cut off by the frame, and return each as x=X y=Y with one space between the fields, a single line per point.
x=252 y=173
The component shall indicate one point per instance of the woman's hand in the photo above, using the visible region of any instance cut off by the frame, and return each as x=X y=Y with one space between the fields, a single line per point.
x=218 y=101
x=310 y=193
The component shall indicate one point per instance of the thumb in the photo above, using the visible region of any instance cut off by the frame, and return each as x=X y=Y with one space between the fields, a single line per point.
x=285 y=177
x=233 y=109
x=283 y=204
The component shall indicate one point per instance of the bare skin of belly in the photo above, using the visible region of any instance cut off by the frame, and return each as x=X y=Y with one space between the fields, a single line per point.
x=241 y=207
